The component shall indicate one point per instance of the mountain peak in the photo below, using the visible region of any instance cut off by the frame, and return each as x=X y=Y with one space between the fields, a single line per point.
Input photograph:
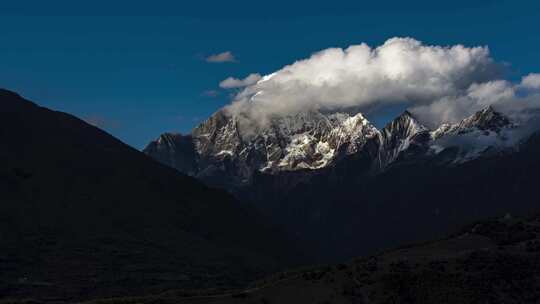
x=398 y=135
x=406 y=122
x=166 y=137
x=406 y=113
x=488 y=109
x=487 y=112
x=486 y=119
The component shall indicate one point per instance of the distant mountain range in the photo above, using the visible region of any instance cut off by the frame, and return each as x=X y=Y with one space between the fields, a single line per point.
x=342 y=187
x=83 y=215
x=312 y=140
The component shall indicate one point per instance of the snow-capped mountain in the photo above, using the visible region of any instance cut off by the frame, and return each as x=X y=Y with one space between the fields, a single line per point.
x=231 y=148
x=400 y=135
x=481 y=134
x=310 y=140
x=486 y=121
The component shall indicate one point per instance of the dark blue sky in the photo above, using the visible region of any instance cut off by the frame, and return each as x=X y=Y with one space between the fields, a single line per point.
x=137 y=69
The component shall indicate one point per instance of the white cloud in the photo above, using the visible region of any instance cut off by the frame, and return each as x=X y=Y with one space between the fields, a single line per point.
x=402 y=70
x=232 y=83
x=531 y=81
x=437 y=83
x=221 y=57
x=455 y=107
x=501 y=94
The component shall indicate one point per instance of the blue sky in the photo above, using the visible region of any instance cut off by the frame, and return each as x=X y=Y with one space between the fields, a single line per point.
x=138 y=69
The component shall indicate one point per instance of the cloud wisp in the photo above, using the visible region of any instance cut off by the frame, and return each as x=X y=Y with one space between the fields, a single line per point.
x=235 y=83
x=531 y=81
x=210 y=93
x=221 y=57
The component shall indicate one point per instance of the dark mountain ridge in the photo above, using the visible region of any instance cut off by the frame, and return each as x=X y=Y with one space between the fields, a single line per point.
x=83 y=215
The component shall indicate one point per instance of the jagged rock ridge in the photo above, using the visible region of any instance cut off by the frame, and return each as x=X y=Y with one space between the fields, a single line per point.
x=224 y=146
x=310 y=140
x=486 y=120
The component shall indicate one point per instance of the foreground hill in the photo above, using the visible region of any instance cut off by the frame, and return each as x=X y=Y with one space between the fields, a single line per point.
x=491 y=261
x=83 y=215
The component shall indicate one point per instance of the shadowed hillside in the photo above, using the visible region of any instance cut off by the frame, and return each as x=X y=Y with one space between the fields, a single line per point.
x=491 y=261
x=83 y=215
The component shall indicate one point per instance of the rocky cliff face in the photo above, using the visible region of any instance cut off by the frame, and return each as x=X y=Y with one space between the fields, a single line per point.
x=175 y=150
x=311 y=140
x=487 y=121
x=400 y=135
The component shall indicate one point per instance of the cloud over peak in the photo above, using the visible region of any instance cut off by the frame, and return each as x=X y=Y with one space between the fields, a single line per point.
x=402 y=70
x=221 y=57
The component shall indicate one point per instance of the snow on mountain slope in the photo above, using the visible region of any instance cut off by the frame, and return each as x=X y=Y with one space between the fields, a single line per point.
x=479 y=134
x=398 y=135
x=317 y=140
x=486 y=120
x=234 y=147
x=309 y=140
